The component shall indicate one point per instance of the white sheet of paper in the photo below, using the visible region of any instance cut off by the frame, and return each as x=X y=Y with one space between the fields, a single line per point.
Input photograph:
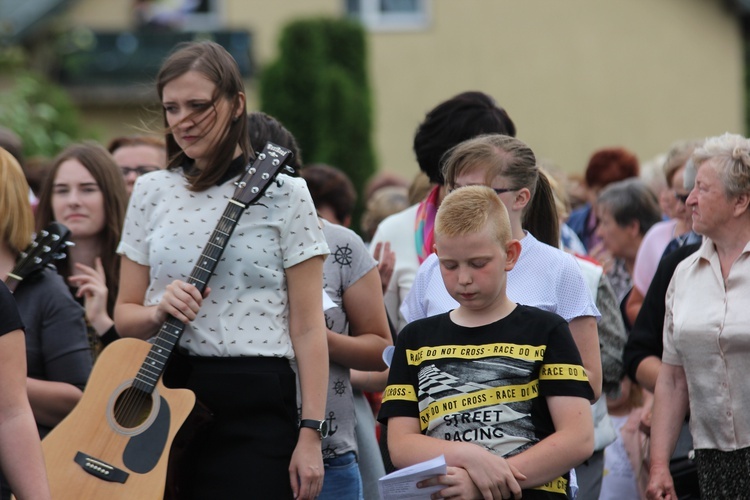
x=388 y=355
x=328 y=302
x=402 y=484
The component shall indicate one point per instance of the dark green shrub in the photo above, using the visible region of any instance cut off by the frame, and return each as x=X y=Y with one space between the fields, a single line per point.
x=318 y=88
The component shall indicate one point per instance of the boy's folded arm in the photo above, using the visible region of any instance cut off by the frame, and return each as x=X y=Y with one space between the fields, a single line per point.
x=570 y=445
x=492 y=475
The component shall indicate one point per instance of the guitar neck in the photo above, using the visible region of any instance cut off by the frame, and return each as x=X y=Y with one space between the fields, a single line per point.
x=169 y=335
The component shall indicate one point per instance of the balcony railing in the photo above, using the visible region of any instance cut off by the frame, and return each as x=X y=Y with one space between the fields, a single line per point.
x=117 y=62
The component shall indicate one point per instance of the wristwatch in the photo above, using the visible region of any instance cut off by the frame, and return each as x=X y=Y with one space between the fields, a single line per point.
x=319 y=425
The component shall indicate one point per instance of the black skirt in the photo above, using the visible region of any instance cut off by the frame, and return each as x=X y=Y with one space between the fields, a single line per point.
x=244 y=449
x=723 y=474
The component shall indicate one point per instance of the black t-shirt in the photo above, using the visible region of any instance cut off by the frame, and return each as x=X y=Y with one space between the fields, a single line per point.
x=488 y=384
x=10 y=320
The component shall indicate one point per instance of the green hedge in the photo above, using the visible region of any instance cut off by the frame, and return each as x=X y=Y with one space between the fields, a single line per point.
x=318 y=88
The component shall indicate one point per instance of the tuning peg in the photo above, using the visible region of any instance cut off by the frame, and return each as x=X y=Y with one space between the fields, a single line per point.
x=69 y=244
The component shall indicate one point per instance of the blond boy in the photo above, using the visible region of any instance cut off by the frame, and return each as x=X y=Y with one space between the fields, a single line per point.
x=496 y=387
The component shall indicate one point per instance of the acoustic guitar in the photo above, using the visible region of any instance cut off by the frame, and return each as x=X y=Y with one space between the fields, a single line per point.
x=46 y=247
x=115 y=444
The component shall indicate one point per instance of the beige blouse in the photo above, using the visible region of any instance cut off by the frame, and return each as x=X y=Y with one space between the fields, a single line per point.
x=707 y=332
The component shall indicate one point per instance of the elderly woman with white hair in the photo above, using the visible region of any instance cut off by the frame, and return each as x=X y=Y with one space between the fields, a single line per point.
x=706 y=337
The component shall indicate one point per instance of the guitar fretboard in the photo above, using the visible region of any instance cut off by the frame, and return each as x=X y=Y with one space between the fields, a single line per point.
x=171 y=331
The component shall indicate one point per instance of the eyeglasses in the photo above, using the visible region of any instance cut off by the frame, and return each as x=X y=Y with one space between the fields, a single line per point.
x=139 y=170
x=504 y=190
x=498 y=191
x=681 y=197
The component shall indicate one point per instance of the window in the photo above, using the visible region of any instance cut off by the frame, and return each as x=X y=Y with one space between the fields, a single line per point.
x=390 y=14
x=202 y=15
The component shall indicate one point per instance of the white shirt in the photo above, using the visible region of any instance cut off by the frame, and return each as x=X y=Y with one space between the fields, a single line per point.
x=246 y=314
x=399 y=230
x=544 y=277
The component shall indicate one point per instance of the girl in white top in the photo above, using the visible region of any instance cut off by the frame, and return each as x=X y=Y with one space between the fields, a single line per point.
x=545 y=276
x=263 y=311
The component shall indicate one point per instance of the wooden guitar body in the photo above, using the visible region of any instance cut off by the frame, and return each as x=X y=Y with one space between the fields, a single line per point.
x=113 y=445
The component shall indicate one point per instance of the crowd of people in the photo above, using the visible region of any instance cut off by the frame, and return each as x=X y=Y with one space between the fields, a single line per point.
x=550 y=340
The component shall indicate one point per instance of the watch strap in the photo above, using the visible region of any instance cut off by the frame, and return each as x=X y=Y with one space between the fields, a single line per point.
x=318 y=425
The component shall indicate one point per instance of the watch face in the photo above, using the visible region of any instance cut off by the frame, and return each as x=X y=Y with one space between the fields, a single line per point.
x=323 y=429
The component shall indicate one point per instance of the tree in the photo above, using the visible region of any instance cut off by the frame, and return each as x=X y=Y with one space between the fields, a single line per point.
x=318 y=88
x=41 y=113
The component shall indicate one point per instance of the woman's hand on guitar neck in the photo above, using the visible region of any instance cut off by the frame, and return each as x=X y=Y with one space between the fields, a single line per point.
x=182 y=300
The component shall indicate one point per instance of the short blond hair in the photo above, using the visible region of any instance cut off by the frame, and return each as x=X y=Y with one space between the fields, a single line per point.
x=17 y=221
x=469 y=209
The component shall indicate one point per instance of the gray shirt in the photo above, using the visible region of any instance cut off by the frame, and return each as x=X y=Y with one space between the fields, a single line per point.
x=57 y=347
x=348 y=261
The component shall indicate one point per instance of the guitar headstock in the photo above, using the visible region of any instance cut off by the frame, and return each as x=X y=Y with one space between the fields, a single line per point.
x=48 y=246
x=261 y=172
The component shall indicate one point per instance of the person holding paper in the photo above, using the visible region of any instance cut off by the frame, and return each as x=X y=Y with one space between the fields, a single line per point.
x=497 y=387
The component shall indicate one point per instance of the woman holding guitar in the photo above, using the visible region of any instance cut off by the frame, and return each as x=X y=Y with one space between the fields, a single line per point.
x=58 y=359
x=262 y=316
x=85 y=191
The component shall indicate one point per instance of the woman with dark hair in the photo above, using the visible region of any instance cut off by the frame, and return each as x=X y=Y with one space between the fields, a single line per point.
x=263 y=318
x=85 y=191
x=137 y=155
x=332 y=191
x=263 y=128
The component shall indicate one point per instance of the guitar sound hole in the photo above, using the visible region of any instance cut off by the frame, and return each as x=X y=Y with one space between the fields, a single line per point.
x=132 y=408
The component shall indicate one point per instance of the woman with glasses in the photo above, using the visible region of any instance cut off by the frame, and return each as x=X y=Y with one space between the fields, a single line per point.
x=137 y=155
x=677 y=228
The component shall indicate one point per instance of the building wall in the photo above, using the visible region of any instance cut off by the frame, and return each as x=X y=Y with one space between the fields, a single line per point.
x=574 y=76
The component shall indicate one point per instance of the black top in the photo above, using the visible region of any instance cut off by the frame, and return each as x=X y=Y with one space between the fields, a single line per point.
x=10 y=320
x=487 y=384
